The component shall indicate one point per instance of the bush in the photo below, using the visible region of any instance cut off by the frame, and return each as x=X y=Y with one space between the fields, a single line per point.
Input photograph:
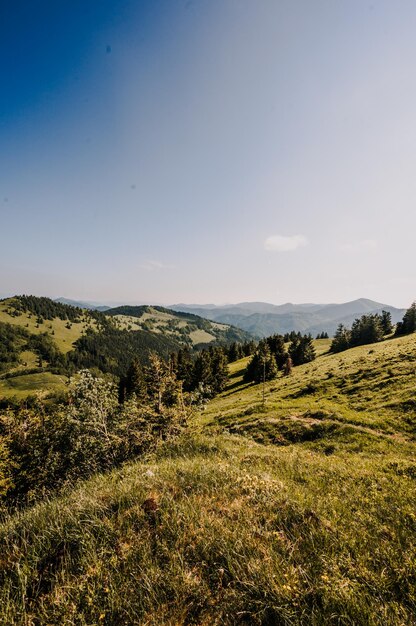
x=40 y=451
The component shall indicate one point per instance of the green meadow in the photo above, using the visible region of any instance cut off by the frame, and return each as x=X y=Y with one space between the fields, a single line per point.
x=299 y=510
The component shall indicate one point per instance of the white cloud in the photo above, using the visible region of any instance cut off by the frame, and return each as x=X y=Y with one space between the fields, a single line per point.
x=280 y=243
x=364 y=244
x=152 y=265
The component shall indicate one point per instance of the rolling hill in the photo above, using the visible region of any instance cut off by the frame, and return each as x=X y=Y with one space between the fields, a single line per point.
x=44 y=340
x=296 y=511
x=262 y=319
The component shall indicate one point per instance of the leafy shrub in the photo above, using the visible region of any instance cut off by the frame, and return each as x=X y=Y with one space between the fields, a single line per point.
x=40 y=451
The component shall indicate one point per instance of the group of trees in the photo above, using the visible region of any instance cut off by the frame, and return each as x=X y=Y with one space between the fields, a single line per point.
x=46 y=309
x=205 y=373
x=408 y=323
x=366 y=329
x=273 y=354
x=322 y=335
x=236 y=351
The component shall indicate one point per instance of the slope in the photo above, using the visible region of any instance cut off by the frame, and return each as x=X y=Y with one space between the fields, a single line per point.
x=184 y=327
x=315 y=525
x=52 y=339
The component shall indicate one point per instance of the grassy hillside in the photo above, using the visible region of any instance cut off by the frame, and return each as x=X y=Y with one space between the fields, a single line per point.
x=39 y=383
x=369 y=386
x=64 y=332
x=91 y=339
x=298 y=512
x=183 y=327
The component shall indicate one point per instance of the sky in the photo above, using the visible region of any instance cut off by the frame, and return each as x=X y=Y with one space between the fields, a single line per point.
x=208 y=151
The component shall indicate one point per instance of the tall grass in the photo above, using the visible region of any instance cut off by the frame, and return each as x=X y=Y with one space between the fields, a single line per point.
x=307 y=519
x=236 y=533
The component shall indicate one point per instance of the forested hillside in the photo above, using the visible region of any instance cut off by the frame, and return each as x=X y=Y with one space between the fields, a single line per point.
x=44 y=341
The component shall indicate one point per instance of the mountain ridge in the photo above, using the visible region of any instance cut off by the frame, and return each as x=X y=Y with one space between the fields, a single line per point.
x=261 y=319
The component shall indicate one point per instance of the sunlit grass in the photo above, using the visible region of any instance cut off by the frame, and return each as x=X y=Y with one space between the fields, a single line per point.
x=299 y=512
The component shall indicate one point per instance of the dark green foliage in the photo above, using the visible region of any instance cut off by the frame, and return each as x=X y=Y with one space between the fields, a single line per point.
x=112 y=350
x=408 y=324
x=239 y=350
x=44 y=346
x=13 y=339
x=207 y=372
x=184 y=368
x=219 y=366
x=292 y=336
x=262 y=366
x=235 y=352
x=366 y=329
x=249 y=347
x=47 y=309
x=301 y=350
x=322 y=335
x=341 y=340
x=277 y=347
x=133 y=383
x=386 y=323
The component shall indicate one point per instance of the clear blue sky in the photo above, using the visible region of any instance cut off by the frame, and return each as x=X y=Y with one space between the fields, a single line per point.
x=208 y=150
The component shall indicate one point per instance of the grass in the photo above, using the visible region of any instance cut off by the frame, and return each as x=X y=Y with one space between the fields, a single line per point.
x=241 y=533
x=296 y=513
x=63 y=337
x=369 y=386
x=166 y=323
x=30 y=384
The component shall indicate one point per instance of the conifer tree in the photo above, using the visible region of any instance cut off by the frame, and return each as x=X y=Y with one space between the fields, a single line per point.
x=262 y=366
x=184 y=369
x=301 y=350
x=408 y=324
x=134 y=382
x=278 y=349
x=341 y=340
x=219 y=368
x=386 y=323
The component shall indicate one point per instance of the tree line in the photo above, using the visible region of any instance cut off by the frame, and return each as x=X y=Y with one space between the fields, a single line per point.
x=372 y=328
x=273 y=355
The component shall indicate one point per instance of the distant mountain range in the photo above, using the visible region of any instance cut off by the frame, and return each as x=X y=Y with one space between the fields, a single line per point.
x=262 y=319
x=90 y=306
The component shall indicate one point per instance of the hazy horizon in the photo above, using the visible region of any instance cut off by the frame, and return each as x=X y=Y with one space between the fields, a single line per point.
x=208 y=151
x=114 y=303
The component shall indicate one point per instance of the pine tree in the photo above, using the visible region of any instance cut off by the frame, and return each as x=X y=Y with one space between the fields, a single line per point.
x=341 y=340
x=301 y=350
x=262 y=366
x=219 y=367
x=385 y=321
x=202 y=372
x=278 y=349
x=134 y=382
x=408 y=324
x=366 y=329
x=184 y=369
x=158 y=379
